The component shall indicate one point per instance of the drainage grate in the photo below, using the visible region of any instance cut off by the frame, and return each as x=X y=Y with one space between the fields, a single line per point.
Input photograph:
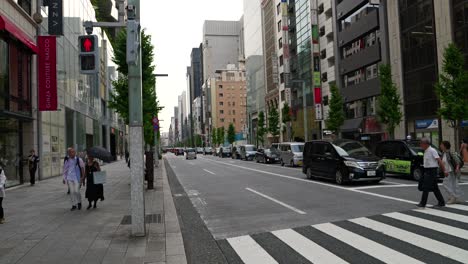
x=150 y=219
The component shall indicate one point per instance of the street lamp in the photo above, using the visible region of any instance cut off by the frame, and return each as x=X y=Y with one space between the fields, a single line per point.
x=304 y=106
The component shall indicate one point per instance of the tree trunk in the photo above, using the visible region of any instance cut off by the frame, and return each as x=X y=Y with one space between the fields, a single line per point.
x=456 y=135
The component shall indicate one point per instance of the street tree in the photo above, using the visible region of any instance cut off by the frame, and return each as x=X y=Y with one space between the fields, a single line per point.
x=452 y=89
x=261 y=130
x=273 y=123
x=198 y=141
x=286 y=116
x=214 y=136
x=221 y=135
x=336 y=113
x=119 y=97
x=231 y=134
x=389 y=102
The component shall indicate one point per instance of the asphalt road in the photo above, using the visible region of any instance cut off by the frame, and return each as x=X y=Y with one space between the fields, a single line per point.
x=249 y=201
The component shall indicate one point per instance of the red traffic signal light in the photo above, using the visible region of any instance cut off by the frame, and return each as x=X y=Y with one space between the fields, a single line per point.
x=88 y=43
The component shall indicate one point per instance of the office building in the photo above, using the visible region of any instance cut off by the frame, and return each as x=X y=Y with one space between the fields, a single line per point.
x=361 y=45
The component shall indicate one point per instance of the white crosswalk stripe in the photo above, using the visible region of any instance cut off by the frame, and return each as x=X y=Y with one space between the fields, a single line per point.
x=356 y=234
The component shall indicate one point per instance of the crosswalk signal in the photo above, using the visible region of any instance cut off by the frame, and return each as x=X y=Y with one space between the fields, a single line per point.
x=89 y=54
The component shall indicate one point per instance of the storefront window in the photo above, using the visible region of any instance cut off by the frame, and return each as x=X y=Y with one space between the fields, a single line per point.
x=10 y=157
x=19 y=92
x=3 y=73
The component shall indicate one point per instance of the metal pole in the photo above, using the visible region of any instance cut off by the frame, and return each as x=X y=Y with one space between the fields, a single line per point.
x=136 y=137
x=304 y=105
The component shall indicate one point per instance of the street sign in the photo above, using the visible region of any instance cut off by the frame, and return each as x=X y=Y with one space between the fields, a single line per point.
x=55 y=16
x=89 y=54
x=155 y=121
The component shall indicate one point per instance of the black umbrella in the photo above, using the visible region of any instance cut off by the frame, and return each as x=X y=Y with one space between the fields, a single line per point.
x=100 y=153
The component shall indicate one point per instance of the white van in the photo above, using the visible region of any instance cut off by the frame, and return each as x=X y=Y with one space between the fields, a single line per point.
x=291 y=153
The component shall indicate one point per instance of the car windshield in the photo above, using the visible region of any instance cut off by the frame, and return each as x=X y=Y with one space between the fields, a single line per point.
x=351 y=149
x=190 y=150
x=250 y=148
x=415 y=147
x=297 y=148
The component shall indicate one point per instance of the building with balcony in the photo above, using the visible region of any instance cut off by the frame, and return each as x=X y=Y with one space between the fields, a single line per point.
x=361 y=45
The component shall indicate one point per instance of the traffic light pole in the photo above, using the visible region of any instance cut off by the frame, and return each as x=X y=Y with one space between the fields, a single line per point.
x=136 y=130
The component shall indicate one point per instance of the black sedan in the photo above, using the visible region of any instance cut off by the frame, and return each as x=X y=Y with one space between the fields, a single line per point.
x=267 y=156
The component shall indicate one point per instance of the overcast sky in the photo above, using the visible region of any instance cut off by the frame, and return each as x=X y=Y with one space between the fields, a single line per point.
x=176 y=27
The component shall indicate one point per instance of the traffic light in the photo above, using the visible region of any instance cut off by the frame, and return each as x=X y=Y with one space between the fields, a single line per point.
x=89 y=54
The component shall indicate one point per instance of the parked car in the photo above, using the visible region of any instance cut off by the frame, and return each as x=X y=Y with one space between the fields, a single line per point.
x=190 y=153
x=199 y=150
x=179 y=152
x=291 y=153
x=270 y=155
x=274 y=146
x=216 y=152
x=225 y=152
x=208 y=151
x=403 y=157
x=341 y=160
x=247 y=152
x=235 y=153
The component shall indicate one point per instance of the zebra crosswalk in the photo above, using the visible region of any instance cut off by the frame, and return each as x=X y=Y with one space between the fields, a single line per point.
x=432 y=235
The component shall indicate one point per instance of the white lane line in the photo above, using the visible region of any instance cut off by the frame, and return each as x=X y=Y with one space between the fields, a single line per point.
x=365 y=245
x=321 y=183
x=392 y=182
x=443 y=214
x=209 y=172
x=307 y=248
x=394 y=186
x=277 y=201
x=453 y=231
x=443 y=249
x=249 y=251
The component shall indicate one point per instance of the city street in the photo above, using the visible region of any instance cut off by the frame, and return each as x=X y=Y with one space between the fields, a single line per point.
x=261 y=213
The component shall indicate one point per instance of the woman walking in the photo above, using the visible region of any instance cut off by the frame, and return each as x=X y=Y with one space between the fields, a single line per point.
x=2 y=194
x=94 y=192
x=33 y=160
x=452 y=168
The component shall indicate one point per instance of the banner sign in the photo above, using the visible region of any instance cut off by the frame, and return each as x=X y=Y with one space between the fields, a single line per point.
x=47 y=71
x=427 y=124
x=318 y=112
x=55 y=16
x=464 y=123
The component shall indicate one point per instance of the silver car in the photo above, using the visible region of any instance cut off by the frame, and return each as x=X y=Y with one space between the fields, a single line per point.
x=190 y=153
x=291 y=153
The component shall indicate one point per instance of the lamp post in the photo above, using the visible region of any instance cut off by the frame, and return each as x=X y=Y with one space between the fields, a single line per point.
x=304 y=106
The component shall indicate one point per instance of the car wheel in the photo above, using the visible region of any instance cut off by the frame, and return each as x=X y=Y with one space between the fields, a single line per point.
x=282 y=163
x=309 y=174
x=339 y=177
x=417 y=174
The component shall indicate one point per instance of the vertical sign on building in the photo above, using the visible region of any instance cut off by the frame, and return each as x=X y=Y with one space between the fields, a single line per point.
x=55 y=16
x=317 y=80
x=47 y=73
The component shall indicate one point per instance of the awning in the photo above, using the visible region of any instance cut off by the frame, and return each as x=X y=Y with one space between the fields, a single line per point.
x=351 y=125
x=7 y=25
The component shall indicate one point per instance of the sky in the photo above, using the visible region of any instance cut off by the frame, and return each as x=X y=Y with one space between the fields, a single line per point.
x=176 y=27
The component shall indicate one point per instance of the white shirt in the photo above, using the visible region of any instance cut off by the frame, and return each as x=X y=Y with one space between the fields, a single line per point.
x=447 y=165
x=430 y=158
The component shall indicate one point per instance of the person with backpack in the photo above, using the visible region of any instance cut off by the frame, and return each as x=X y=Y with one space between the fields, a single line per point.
x=73 y=176
x=2 y=193
x=452 y=164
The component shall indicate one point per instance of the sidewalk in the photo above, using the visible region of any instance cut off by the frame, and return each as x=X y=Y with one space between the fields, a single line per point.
x=40 y=227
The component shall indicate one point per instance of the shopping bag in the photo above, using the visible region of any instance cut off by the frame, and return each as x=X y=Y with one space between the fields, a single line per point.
x=99 y=177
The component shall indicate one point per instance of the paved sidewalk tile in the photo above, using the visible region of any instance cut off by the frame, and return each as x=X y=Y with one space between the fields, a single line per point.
x=40 y=227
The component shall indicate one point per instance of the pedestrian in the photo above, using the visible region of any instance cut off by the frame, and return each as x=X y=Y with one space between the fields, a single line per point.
x=464 y=151
x=73 y=176
x=428 y=183
x=94 y=192
x=2 y=193
x=452 y=167
x=33 y=160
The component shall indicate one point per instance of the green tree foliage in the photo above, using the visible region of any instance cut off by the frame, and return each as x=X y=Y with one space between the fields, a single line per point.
x=214 y=136
x=336 y=113
x=119 y=98
x=273 y=123
x=261 y=131
x=452 y=89
x=286 y=116
x=220 y=136
x=198 y=141
x=231 y=134
x=389 y=101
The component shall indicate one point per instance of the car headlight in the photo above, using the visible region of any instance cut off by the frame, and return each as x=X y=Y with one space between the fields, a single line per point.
x=353 y=164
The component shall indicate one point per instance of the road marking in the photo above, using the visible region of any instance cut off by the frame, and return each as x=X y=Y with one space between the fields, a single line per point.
x=250 y=251
x=209 y=172
x=365 y=245
x=443 y=249
x=443 y=214
x=393 y=186
x=458 y=206
x=307 y=248
x=277 y=201
x=454 y=231
x=321 y=183
x=392 y=182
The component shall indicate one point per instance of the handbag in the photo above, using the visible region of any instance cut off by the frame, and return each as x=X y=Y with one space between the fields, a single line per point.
x=99 y=177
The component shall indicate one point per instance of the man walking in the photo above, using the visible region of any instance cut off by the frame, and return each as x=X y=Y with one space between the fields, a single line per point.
x=73 y=175
x=33 y=160
x=428 y=183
